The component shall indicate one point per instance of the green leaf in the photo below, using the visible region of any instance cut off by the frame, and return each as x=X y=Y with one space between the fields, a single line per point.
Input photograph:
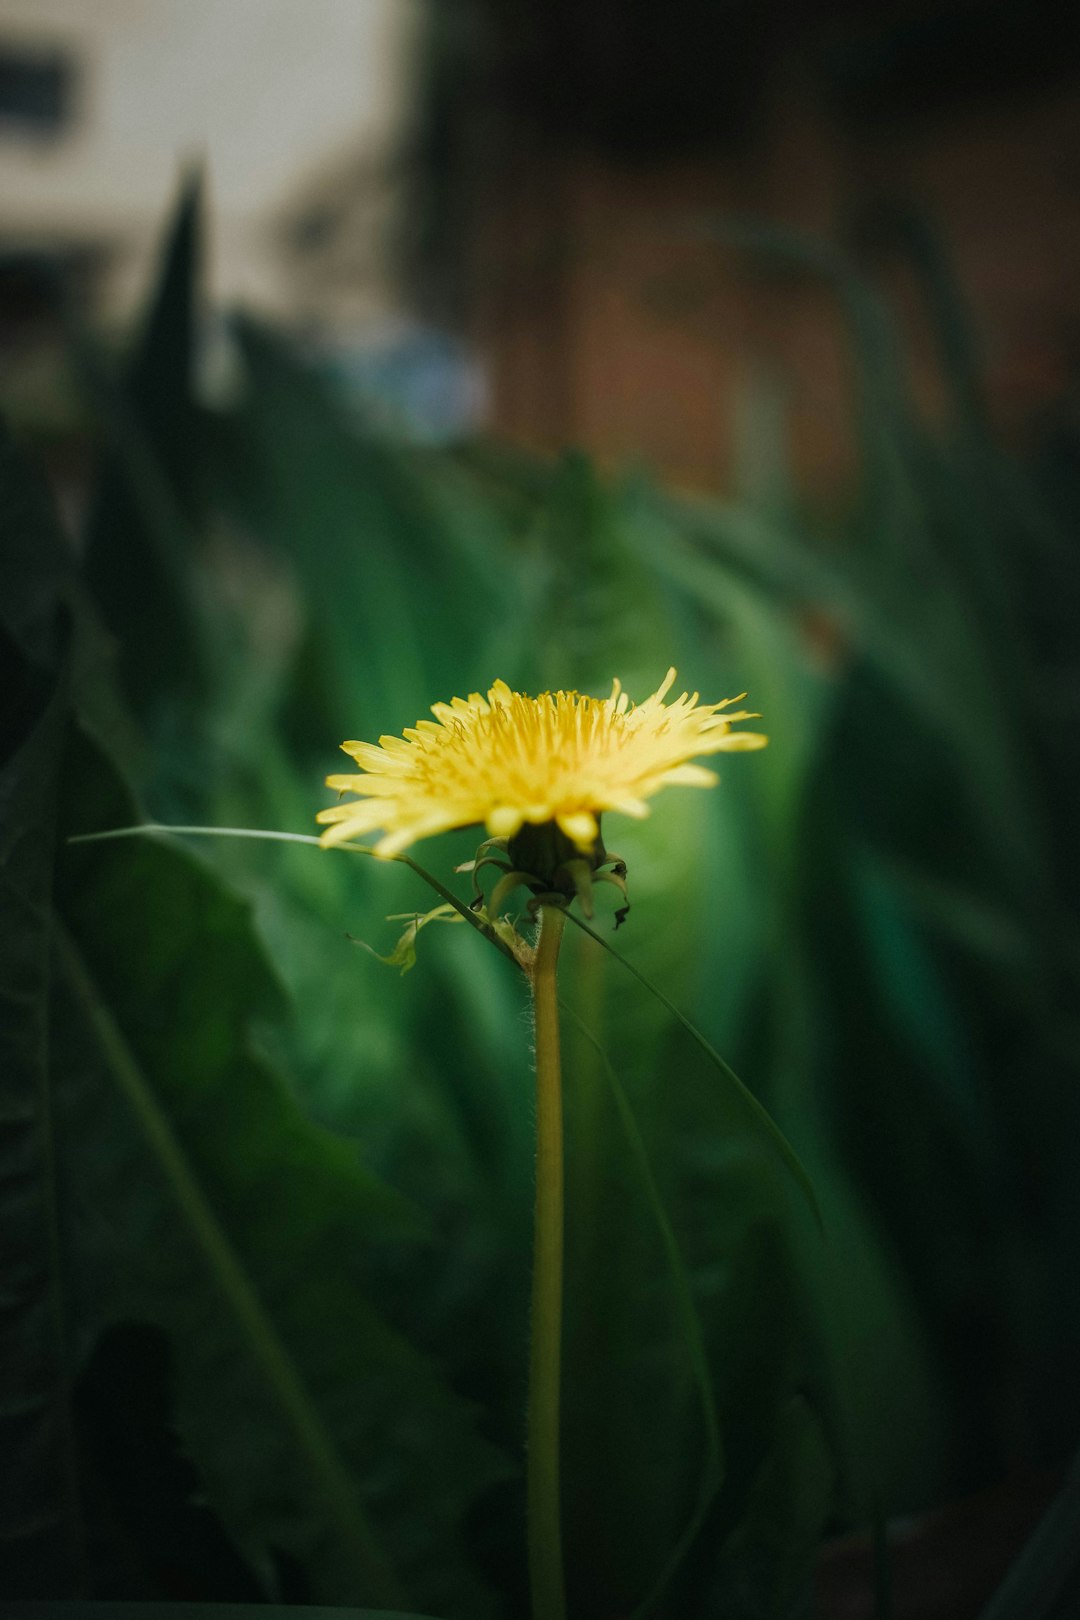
x=40 y=1517
x=272 y=1215
x=41 y=1526
x=403 y=955
x=194 y=1193
x=146 y=517
x=36 y=578
x=351 y=514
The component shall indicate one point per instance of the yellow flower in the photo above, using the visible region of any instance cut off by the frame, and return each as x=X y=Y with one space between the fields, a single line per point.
x=509 y=761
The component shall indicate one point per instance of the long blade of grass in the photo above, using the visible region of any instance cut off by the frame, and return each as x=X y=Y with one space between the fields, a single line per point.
x=761 y=1116
x=713 y=1475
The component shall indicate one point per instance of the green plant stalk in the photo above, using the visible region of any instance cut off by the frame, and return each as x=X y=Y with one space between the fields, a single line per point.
x=545 y=1347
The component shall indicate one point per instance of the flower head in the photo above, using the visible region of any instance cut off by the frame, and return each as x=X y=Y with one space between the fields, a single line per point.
x=509 y=762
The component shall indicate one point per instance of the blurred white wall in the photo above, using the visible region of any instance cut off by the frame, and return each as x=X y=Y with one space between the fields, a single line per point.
x=281 y=100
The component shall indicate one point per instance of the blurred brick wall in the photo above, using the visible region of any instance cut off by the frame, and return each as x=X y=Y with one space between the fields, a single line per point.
x=606 y=322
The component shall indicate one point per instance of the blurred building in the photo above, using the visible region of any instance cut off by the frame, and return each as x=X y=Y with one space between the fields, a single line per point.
x=582 y=222
x=103 y=101
x=297 y=113
x=581 y=155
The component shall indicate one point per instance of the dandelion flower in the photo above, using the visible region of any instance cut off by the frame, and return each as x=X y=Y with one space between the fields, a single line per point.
x=511 y=763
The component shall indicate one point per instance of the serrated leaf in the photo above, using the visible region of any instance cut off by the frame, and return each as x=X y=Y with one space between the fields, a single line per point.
x=195 y=1194
x=156 y=1022
x=40 y=1516
x=403 y=955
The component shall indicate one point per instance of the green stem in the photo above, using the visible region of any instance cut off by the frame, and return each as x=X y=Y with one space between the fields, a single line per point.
x=544 y=1521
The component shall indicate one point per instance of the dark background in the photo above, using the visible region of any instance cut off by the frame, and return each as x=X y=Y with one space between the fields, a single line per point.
x=739 y=339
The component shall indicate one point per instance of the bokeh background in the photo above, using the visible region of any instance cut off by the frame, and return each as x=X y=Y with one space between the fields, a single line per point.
x=357 y=353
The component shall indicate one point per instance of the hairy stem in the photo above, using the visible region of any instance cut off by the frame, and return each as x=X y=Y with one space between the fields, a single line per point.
x=545 y=1529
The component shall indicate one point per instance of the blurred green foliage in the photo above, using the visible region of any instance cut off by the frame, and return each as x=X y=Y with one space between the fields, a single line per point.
x=269 y=1205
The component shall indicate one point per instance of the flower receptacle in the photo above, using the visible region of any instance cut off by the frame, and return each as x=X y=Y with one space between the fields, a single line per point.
x=552 y=860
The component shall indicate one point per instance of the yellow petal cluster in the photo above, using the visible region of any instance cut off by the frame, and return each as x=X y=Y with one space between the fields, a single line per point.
x=507 y=759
